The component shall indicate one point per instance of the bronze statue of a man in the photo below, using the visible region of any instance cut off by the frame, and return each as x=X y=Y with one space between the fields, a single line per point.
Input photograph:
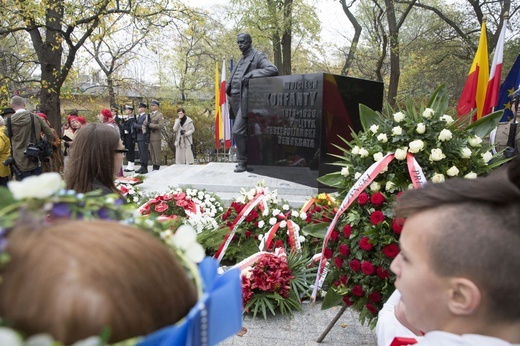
x=252 y=64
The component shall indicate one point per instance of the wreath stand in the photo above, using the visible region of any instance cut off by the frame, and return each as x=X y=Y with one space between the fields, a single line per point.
x=331 y=324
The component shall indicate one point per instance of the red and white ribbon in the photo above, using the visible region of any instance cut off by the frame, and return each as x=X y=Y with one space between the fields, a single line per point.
x=415 y=171
x=292 y=232
x=259 y=198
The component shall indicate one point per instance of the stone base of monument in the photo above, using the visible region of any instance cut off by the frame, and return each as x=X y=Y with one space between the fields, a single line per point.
x=295 y=122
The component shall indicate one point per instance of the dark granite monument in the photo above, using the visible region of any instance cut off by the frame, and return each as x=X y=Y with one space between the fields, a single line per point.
x=295 y=120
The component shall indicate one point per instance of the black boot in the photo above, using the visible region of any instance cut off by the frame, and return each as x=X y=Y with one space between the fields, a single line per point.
x=156 y=167
x=240 y=168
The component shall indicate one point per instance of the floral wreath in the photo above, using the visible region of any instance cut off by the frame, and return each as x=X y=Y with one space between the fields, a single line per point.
x=44 y=198
x=394 y=152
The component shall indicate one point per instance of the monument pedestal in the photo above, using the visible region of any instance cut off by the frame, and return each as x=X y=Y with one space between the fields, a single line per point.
x=294 y=122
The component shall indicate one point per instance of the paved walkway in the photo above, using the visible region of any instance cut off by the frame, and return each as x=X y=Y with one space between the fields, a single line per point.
x=306 y=326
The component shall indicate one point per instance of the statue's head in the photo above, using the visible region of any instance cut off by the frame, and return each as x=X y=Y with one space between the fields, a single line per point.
x=244 y=42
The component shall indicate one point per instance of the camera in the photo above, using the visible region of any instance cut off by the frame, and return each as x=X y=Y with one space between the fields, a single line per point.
x=9 y=161
x=183 y=132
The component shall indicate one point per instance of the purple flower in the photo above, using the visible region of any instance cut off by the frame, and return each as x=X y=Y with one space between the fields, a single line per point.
x=60 y=210
x=104 y=214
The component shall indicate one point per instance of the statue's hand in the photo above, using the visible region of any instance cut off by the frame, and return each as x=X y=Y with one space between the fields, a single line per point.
x=245 y=79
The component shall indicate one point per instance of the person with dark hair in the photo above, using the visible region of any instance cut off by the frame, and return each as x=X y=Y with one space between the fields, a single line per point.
x=252 y=64
x=95 y=159
x=184 y=129
x=507 y=135
x=155 y=123
x=129 y=137
x=73 y=279
x=23 y=128
x=7 y=112
x=142 y=136
x=457 y=269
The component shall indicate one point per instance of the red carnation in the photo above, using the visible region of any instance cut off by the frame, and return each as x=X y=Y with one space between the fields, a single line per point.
x=377 y=199
x=377 y=217
x=357 y=290
x=367 y=268
x=364 y=243
x=391 y=250
x=327 y=253
x=372 y=308
x=355 y=265
x=362 y=198
x=382 y=273
x=347 y=230
x=374 y=296
x=334 y=235
x=397 y=225
x=161 y=207
x=344 y=250
x=347 y=301
x=338 y=262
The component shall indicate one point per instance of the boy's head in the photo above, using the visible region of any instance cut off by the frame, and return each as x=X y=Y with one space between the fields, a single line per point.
x=72 y=279
x=459 y=261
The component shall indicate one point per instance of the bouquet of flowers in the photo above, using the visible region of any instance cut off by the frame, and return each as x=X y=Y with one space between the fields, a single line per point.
x=131 y=192
x=197 y=207
x=275 y=282
x=363 y=243
x=320 y=211
x=256 y=220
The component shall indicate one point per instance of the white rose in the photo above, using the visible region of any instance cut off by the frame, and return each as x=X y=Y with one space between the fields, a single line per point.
x=301 y=239
x=428 y=112
x=357 y=175
x=261 y=224
x=303 y=216
x=378 y=156
x=363 y=152
x=421 y=128
x=195 y=252
x=390 y=186
x=453 y=171
x=374 y=128
x=437 y=155
x=400 y=154
x=295 y=213
x=471 y=175
x=416 y=146
x=10 y=337
x=355 y=150
x=374 y=187
x=448 y=119
x=36 y=186
x=438 y=178
x=184 y=236
x=272 y=221
x=475 y=141
x=285 y=207
x=382 y=137
x=344 y=171
x=465 y=153
x=487 y=156
x=445 y=135
x=397 y=131
x=275 y=212
x=283 y=224
x=398 y=117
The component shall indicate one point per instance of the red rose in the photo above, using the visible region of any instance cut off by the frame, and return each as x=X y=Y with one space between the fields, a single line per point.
x=337 y=283
x=372 y=308
x=362 y=198
x=364 y=243
x=338 y=262
x=278 y=243
x=374 y=297
x=347 y=230
x=357 y=290
x=327 y=253
x=377 y=217
x=347 y=301
x=382 y=273
x=397 y=225
x=391 y=250
x=247 y=233
x=334 y=235
x=325 y=219
x=377 y=199
x=344 y=250
x=355 y=265
x=367 y=268
x=161 y=207
x=343 y=279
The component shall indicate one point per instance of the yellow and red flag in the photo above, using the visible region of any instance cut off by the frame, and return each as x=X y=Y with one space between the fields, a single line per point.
x=474 y=93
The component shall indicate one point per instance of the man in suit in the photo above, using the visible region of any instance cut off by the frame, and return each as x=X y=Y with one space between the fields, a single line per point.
x=129 y=137
x=142 y=137
x=252 y=64
x=155 y=124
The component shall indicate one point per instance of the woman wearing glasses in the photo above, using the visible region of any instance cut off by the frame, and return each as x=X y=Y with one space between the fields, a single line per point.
x=95 y=158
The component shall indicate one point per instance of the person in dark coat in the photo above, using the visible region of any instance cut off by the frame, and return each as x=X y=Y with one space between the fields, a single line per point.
x=143 y=136
x=129 y=137
x=252 y=64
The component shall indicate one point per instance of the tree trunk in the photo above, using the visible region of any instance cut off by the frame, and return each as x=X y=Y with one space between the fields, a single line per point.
x=393 y=35
x=277 y=52
x=286 y=66
x=355 y=40
x=111 y=93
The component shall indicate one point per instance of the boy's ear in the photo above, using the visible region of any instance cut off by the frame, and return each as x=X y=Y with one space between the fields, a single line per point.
x=465 y=297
